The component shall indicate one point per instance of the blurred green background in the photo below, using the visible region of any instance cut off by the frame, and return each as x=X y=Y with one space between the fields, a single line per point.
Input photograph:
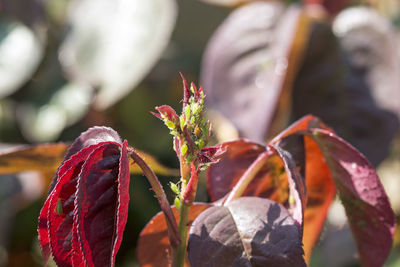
x=68 y=65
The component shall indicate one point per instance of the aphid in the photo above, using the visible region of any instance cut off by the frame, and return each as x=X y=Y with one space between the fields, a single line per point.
x=59 y=208
x=197 y=131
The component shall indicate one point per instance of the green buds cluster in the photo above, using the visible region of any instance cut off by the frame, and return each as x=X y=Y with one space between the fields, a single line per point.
x=190 y=129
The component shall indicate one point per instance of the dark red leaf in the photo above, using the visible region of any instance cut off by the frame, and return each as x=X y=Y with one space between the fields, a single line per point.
x=247 y=231
x=48 y=216
x=366 y=203
x=86 y=210
x=99 y=214
x=153 y=245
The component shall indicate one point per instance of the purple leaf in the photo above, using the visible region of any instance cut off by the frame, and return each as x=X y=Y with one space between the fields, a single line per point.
x=248 y=231
x=367 y=206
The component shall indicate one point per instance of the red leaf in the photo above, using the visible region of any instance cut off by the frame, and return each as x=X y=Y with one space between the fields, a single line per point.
x=153 y=245
x=85 y=213
x=49 y=216
x=366 y=203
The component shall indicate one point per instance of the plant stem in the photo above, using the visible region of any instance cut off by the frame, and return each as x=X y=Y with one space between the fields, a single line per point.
x=187 y=199
x=180 y=252
x=248 y=176
x=162 y=198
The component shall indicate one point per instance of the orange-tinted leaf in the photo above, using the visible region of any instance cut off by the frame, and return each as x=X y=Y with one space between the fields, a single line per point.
x=153 y=245
x=155 y=165
x=320 y=193
x=44 y=158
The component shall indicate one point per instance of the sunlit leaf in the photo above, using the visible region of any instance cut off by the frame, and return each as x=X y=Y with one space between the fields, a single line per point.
x=44 y=158
x=85 y=213
x=367 y=206
x=247 y=231
x=250 y=63
x=153 y=245
x=113 y=44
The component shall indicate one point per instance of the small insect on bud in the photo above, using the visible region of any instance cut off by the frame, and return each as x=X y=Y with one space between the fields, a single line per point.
x=177 y=203
x=197 y=131
x=184 y=149
x=59 y=208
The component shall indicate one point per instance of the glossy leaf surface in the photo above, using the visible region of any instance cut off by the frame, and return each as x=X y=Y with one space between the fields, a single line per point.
x=153 y=245
x=248 y=231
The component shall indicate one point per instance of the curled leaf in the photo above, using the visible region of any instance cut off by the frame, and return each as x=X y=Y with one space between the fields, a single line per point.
x=85 y=213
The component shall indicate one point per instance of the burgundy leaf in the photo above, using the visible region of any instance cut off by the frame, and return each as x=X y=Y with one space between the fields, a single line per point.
x=248 y=231
x=85 y=213
x=223 y=175
x=99 y=214
x=51 y=212
x=366 y=203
